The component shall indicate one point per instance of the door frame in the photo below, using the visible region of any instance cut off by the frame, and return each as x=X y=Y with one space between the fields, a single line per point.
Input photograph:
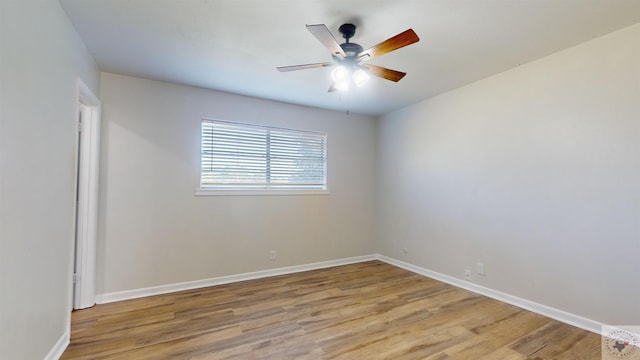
x=86 y=226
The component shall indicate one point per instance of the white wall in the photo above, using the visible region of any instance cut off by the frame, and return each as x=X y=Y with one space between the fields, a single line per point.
x=41 y=57
x=155 y=231
x=535 y=172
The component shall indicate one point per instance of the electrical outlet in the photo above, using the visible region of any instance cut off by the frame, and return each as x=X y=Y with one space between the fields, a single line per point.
x=467 y=274
x=405 y=250
x=480 y=268
x=272 y=255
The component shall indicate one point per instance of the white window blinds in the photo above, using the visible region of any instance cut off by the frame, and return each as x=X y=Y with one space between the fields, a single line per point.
x=242 y=156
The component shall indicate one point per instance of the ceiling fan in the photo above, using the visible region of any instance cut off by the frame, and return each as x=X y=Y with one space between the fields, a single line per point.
x=349 y=58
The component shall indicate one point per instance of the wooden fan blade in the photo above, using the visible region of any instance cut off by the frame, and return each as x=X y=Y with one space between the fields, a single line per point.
x=401 y=40
x=385 y=73
x=303 y=67
x=322 y=33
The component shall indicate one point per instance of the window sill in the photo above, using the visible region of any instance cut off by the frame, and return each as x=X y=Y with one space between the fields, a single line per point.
x=239 y=192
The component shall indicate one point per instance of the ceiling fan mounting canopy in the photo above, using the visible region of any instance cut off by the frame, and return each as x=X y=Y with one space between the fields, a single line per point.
x=353 y=55
x=347 y=31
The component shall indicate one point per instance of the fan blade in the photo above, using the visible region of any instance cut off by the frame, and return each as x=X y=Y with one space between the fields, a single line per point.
x=323 y=34
x=401 y=40
x=385 y=73
x=303 y=67
x=332 y=88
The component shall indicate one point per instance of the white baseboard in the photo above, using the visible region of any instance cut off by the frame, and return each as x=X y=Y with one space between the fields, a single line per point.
x=560 y=315
x=189 y=285
x=60 y=346
x=541 y=309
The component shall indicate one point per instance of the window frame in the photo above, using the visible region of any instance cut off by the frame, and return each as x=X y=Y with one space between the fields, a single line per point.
x=253 y=190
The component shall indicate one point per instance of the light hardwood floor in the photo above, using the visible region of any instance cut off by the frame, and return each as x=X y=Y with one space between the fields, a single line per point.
x=369 y=310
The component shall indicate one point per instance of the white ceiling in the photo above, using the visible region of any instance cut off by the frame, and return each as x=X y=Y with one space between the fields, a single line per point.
x=236 y=45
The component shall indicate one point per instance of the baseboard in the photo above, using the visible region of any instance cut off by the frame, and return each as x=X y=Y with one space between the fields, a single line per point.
x=189 y=285
x=541 y=309
x=60 y=346
x=560 y=315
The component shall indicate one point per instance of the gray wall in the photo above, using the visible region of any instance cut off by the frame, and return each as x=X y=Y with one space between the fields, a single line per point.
x=41 y=57
x=155 y=231
x=535 y=172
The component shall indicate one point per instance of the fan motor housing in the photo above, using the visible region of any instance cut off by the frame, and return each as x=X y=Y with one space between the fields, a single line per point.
x=351 y=49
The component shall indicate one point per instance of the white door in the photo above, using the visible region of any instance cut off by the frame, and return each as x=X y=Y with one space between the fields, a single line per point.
x=86 y=198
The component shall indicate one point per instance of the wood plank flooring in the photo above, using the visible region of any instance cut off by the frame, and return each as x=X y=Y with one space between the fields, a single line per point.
x=369 y=310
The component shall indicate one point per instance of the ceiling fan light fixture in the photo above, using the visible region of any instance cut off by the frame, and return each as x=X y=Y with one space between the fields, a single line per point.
x=360 y=77
x=340 y=73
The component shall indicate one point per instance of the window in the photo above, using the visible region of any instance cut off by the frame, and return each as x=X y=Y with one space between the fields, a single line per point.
x=239 y=156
